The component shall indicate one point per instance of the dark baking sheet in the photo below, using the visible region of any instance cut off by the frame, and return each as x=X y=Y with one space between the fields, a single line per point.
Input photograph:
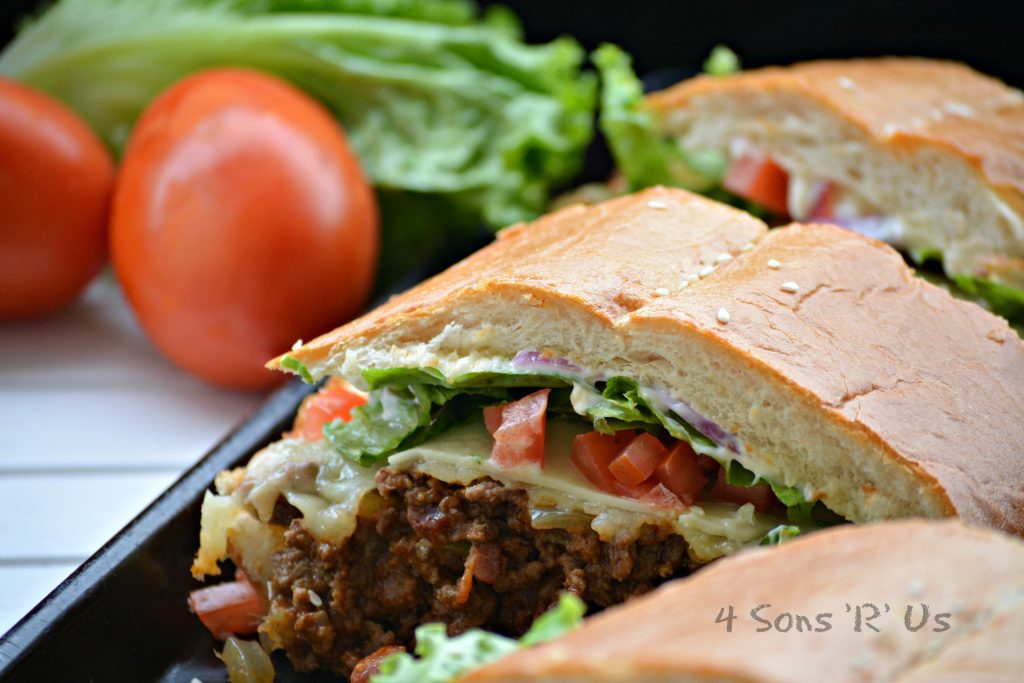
x=122 y=616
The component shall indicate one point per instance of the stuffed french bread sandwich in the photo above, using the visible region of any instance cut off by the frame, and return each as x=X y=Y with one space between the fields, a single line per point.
x=926 y=155
x=605 y=399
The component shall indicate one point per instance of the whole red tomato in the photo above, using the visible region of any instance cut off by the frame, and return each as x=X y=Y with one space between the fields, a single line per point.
x=241 y=222
x=55 y=184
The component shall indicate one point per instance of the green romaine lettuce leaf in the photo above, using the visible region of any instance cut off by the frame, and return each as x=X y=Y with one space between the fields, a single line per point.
x=441 y=658
x=1005 y=300
x=623 y=394
x=738 y=475
x=642 y=153
x=375 y=378
x=455 y=120
x=379 y=427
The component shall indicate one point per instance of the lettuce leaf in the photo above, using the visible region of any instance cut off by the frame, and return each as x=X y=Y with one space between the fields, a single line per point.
x=799 y=510
x=441 y=658
x=400 y=417
x=619 y=405
x=382 y=425
x=642 y=153
x=557 y=621
x=780 y=534
x=407 y=406
x=296 y=366
x=1005 y=300
x=455 y=120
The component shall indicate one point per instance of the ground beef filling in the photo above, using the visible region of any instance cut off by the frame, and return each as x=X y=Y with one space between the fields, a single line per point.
x=463 y=555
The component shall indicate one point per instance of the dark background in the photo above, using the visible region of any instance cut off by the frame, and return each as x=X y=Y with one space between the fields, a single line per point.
x=659 y=33
x=987 y=35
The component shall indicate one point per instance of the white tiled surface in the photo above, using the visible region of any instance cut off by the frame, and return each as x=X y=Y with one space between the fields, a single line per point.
x=94 y=424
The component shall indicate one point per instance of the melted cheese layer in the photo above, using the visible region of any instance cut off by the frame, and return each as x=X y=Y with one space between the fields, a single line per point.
x=461 y=456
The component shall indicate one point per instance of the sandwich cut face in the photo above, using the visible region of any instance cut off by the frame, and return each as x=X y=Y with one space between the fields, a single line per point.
x=601 y=401
x=925 y=155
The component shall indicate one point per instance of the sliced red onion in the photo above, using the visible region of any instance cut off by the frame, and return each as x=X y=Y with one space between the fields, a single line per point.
x=881 y=228
x=533 y=360
x=708 y=428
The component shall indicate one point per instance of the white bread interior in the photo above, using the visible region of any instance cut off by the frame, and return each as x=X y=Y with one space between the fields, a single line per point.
x=917 y=160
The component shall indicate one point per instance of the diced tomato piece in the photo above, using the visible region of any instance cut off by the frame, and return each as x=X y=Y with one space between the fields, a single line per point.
x=707 y=463
x=622 y=438
x=519 y=433
x=660 y=496
x=492 y=417
x=335 y=400
x=228 y=609
x=761 y=495
x=756 y=177
x=823 y=208
x=638 y=460
x=681 y=473
x=592 y=453
x=369 y=666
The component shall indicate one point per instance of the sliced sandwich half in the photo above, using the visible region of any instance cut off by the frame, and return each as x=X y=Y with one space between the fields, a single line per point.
x=603 y=400
x=926 y=155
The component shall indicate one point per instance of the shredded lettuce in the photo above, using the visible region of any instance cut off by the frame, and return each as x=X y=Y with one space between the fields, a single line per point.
x=620 y=405
x=408 y=406
x=455 y=120
x=379 y=427
x=296 y=366
x=441 y=658
x=557 y=621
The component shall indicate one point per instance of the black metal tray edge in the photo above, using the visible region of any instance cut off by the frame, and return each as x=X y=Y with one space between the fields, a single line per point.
x=256 y=428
